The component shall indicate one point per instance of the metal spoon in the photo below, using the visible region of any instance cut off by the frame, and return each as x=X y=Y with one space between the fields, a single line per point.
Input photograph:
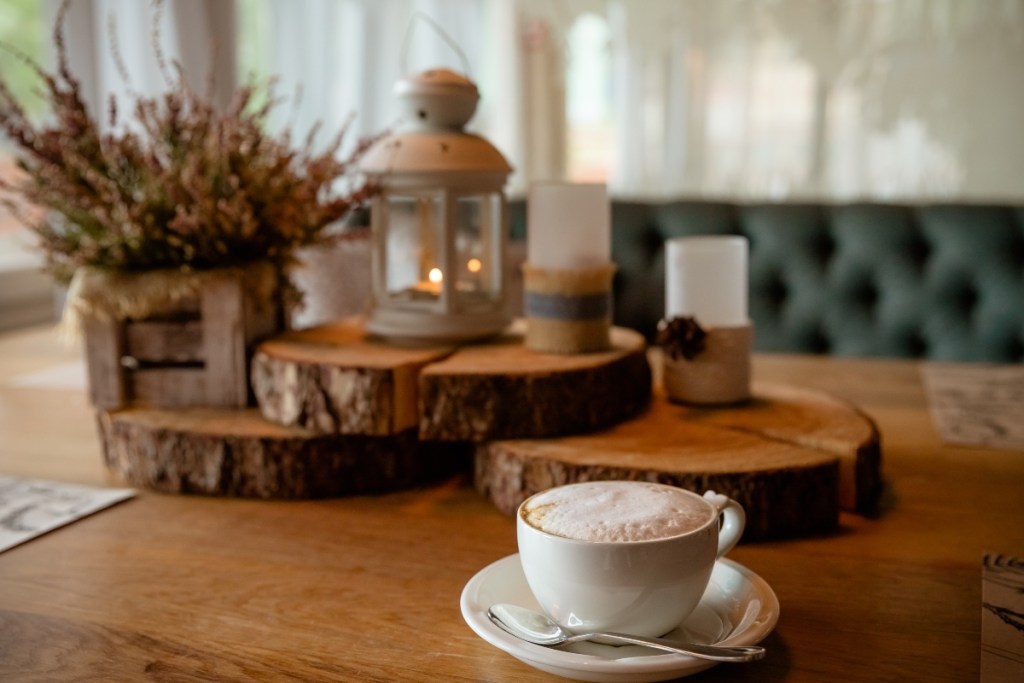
x=538 y=629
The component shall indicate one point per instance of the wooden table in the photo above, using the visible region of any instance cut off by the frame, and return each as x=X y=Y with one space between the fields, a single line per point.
x=173 y=588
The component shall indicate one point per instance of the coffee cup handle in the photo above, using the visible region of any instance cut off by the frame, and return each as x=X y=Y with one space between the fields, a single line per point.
x=733 y=520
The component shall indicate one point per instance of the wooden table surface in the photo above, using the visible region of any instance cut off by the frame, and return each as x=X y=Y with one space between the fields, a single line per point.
x=172 y=588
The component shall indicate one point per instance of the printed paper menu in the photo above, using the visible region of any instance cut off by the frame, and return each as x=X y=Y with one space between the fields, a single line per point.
x=31 y=507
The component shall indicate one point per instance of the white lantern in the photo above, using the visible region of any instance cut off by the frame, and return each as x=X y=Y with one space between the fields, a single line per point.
x=440 y=220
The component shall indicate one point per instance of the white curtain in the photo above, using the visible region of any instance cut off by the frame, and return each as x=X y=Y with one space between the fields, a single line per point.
x=196 y=35
x=831 y=99
x=744 y=99
x=341 y=58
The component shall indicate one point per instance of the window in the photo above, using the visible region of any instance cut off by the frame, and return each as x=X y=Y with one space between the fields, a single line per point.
x=746 y=100
x=588 y=100
x=26 y=294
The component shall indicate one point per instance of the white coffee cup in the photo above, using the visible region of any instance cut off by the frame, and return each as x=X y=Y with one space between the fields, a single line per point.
x=627 y=556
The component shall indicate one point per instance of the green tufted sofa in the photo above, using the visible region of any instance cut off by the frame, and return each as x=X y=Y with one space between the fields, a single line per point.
x=942 y=282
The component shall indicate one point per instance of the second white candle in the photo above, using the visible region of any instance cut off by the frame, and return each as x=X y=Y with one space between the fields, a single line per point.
x=706 y=278
x=568 y=225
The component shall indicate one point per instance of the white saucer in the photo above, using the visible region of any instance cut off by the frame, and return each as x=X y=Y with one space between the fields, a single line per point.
x=738 y=608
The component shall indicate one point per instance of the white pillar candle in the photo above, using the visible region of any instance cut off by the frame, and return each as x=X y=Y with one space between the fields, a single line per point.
x=568 y=225
x=706 y=278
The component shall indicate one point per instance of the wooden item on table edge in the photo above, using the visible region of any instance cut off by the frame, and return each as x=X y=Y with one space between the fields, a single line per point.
x=189 y=349
x=335 y=378
x=216 y=451
x=502 y=389
x=788 y=488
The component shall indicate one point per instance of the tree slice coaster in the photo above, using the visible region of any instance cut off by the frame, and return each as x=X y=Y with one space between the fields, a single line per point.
x=335 y=379
x=235 y=452
x=816 y=420
x=782 y=463
x=503 y=390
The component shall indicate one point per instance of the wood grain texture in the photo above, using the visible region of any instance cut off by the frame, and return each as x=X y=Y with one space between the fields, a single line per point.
x=334 y=378
x=225 y=349
x=193 y=351
x=785 y=488
x=366 y=588
x=167 y=386
x=104 y=347
x=238 y=453
x=339 y=410
x=502 y=390
x=163 y=341
x=812 y=419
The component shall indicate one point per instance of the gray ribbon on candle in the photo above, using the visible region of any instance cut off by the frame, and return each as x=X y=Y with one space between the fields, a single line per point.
x=567 y=307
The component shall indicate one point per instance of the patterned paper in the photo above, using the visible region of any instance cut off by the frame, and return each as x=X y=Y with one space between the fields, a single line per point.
x=977 y=405
x=1002 y=619
x=31 y=507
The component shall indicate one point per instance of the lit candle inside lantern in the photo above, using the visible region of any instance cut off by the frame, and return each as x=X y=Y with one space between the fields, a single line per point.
x=429 y=288
x=435 y=277
x=568 y=225
x=706 y=278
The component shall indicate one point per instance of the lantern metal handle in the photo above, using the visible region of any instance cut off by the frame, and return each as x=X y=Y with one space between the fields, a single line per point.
x=440 y=32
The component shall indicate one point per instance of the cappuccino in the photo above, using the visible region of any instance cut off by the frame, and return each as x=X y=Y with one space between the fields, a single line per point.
x=617 y=511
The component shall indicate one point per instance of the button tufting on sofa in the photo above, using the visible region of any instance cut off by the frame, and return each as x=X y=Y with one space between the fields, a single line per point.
x=934 y=281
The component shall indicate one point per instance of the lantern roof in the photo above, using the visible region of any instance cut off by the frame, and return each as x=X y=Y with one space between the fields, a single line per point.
x=437 y=98
x=434 y=152
x=437 y=103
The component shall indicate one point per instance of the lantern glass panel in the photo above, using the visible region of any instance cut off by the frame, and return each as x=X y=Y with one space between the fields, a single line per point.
x=413 y=248
x=478 y=223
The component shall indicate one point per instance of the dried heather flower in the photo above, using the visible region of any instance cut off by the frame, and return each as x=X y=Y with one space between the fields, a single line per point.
x=186 y=187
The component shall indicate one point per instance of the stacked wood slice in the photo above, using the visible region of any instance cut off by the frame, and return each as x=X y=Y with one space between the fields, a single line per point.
x=339 y=412
x=335 y=379
x=219 y=451
x=793 y=458
x=342 y=412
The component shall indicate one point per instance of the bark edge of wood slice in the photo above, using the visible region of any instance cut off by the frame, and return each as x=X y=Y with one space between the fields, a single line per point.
x=235 y=452
x=790 y=479
x=337 y=379
x=503 y=390
x=813 y=419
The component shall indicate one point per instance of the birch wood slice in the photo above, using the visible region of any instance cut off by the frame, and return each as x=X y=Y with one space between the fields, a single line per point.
x=503 y=390
x=335 y=379
x=235 y=452
x=780 y=457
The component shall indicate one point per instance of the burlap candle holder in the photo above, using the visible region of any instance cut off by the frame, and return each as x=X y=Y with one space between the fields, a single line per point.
x=568 y=310
x=719 y=374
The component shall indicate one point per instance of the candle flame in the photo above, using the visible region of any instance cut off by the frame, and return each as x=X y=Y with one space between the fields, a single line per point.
x=435 y=275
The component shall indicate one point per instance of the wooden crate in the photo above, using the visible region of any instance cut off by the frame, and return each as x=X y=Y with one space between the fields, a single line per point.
x=195 y=353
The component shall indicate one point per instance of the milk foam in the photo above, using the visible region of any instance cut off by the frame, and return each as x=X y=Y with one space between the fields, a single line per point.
x=616 y=511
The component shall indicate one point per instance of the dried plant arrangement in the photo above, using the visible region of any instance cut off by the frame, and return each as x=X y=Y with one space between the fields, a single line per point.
x=178 y=186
